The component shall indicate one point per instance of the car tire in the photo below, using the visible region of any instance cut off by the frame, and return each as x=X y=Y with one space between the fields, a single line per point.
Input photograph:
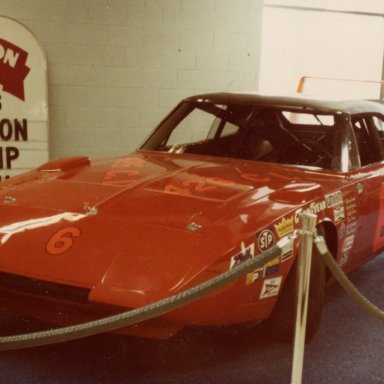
x=281 y=323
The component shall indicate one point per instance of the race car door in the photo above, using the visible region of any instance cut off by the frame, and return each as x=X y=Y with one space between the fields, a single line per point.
x=368 y=199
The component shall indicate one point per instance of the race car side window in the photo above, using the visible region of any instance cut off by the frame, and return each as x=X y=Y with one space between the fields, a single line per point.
x=378 y=123
x=368 y=140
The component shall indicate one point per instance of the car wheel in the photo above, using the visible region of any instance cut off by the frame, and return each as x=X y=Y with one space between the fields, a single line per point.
x=281 y=323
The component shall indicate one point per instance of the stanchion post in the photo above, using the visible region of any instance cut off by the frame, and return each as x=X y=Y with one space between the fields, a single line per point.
x=307 y=231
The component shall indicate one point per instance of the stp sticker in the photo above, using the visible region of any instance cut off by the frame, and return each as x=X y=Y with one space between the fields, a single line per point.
x=265 y=240
x=271 y=287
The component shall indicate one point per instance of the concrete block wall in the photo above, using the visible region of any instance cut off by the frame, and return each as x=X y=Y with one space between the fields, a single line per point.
x=116 y=67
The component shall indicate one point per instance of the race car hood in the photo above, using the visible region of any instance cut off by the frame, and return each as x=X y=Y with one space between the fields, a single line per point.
x=147 y=223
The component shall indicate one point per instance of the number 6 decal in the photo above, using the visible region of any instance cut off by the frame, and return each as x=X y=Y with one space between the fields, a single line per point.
x=62 y=240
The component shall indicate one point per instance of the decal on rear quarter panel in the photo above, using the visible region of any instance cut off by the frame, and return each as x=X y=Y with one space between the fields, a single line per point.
x=270 y=287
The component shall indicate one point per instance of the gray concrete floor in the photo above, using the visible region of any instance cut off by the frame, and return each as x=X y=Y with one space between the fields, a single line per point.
x=347 y=349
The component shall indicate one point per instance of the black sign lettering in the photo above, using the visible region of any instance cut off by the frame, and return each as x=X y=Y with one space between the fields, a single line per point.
x=6 y=130
x=12 y=153
x=7 y=155
x=21 y=130
x=13 y=130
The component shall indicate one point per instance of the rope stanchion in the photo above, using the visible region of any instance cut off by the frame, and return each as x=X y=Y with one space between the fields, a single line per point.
x=139 y=315
x=307 y=231
x=344 y=281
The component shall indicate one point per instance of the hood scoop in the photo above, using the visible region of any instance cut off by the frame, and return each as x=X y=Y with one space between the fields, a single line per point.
x=65 y=164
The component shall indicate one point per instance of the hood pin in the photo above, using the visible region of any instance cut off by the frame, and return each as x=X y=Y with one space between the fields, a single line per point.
x=9 y=200
x=193 y=227
x=89 y=211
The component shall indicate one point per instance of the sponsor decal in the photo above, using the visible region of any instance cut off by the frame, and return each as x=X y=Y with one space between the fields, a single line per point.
x=270 y=288
x=284 y=227
x=268 y=269
x=272 y=266
x=342 y=230
x=265 y=239
x=344 y=259
x=339 y=214
x=350 y=208
x=351 y=228
x=257 y=274
x=287 y=251
x=334 y=199
x=347 y=243
x=13 y=69
x=351 y=211
x=245 y=254
x=315 y=208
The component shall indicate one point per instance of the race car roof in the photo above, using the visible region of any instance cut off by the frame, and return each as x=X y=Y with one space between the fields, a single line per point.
x=293 y=102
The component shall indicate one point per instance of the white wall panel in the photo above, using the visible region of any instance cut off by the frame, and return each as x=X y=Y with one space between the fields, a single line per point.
x=117 y=66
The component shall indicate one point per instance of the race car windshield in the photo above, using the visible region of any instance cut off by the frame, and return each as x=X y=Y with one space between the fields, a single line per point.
x=250 y=132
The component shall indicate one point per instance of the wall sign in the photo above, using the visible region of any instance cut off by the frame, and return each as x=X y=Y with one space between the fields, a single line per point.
x=23 y=100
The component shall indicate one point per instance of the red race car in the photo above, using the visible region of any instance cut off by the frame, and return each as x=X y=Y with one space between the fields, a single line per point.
x=223 y=178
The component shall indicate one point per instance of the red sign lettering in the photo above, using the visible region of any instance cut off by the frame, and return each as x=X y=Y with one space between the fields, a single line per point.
x=13 y=69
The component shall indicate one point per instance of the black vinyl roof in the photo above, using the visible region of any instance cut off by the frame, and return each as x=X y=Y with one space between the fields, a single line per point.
x=293 y=102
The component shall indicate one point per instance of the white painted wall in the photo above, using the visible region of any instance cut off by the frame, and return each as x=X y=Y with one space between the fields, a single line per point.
x=344 y=40
x=115 y=67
